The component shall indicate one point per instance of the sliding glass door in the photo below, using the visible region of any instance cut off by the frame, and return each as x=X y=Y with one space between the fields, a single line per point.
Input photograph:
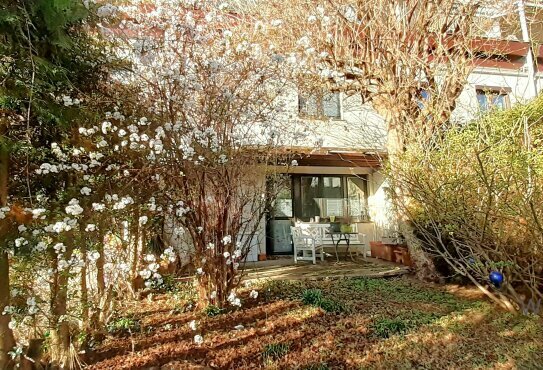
x=306 y=197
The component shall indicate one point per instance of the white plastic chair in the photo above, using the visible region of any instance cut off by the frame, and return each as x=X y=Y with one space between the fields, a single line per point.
x=307 y=243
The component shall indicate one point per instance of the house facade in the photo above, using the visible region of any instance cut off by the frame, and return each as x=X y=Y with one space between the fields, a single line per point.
x=338 y=174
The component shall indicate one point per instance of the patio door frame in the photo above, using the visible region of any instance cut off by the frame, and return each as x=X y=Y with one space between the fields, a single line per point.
x=271 y=217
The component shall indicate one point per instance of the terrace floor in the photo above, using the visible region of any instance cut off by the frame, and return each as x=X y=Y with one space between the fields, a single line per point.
x=284 y=268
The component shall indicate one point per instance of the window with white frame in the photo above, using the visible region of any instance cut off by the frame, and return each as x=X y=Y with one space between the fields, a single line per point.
x=320 y=105
x=492 y=97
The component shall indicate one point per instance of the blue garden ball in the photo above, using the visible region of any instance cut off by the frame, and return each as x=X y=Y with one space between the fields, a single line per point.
x=496 y=278
x=471 y=261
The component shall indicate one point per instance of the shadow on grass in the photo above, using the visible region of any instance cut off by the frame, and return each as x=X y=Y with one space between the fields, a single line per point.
x=394 y=324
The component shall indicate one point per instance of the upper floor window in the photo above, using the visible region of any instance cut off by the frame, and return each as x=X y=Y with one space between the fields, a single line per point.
x=320 y=105
x=492 y=97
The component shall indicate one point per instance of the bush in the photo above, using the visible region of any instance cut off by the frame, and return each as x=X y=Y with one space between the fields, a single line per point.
x=475 y=199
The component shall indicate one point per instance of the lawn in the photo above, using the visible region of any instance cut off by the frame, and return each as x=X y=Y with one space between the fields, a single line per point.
x=348 y=323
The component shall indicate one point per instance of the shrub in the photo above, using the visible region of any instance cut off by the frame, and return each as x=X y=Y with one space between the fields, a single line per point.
x=475 y=200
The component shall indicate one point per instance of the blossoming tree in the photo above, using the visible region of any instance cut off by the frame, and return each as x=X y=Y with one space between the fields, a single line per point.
x=190 y=139
x=216 y=123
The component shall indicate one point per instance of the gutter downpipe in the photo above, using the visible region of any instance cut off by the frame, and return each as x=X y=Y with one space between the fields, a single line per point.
x=530 y=63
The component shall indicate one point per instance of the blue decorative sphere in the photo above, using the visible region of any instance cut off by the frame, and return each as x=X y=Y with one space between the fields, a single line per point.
x=471 y=261
x=496 y=278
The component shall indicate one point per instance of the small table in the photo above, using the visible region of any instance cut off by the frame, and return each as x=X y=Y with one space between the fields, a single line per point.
x=342 y=236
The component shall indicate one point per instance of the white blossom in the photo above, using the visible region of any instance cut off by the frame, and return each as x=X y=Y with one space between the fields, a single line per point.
x=99 y=207
x=40 y=247
x=74 y=208
x=145 y=274
x=85 y=191
x=149 y=258
x=198 y=339
x=93 y=256
x=19 y=242
x=59 y=248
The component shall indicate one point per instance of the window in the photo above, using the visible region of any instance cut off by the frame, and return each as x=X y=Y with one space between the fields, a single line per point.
x=282 y=207
x=321 y=196
x=330 y=195
x=492 y=97
x=320 y=105
x=357 y=197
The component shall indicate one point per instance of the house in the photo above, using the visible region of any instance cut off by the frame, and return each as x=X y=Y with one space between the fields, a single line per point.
x=338 y=173
x=339 y=179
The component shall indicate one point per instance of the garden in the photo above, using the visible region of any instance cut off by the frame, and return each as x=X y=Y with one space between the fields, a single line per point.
x=143 y=145
x=358 y=323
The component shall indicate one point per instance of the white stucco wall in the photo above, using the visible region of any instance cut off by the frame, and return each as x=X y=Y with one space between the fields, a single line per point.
x=467 y=106
x=359 y=128
x=362 y=129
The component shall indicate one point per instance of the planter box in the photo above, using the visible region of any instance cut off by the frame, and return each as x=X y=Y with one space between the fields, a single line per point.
x=388 y=253
x=377 y=249
x=262 y=257
x=406 y=257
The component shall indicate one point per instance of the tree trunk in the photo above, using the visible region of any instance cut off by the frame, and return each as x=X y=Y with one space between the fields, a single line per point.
x=60 y=329
x=100 y=277
x=135 y=253
x=7 y=340
x=84 y=295
x=424 y=266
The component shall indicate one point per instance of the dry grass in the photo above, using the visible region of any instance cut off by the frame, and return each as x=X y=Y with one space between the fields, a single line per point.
x=380 y=324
